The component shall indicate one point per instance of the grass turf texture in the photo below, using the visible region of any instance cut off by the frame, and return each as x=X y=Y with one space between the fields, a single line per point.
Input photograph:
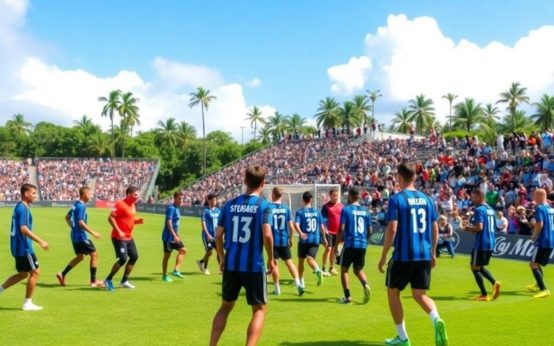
x=181 y=312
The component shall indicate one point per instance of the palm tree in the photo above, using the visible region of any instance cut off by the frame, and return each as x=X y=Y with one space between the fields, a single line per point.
x=129 y=111
x=202 y=96
x=450 y=97
x=518 y=123
x=513 y=97
x=86 y=125
x=468 y=114
x=544 y=117
x=349 y=115
x=185 y=133
x=310 y=131
x=295 y=123
x=98 y=143
x=255 y=116
x=113 y=101
x=421 y=108
x=327 y=114
x=362 y=107
x=18 y=126
x=278 y=125
x=373 y=95
x=265 y=135
x=167 y=133
x=490 y=116
x=401 y=120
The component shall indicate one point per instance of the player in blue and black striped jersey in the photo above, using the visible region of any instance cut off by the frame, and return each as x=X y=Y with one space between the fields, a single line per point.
x=241 y=237
x=278 y=216
x=482 y=223
x=77 y=219
x=543 y=236
x=210 y=216
x=310 y=229
x=412 y=227
x=21 y=243
x=355 y=228
x=171 y=239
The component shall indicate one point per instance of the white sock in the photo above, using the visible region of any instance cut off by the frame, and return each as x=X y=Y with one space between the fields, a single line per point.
x=401 y=330
x=277 y=287
x=302 y=282
x=434 y=314
x=316 y=269
x=297 y=282
x=28 y=301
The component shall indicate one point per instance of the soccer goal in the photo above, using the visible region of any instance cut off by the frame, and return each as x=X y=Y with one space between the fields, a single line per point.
x=293 y=194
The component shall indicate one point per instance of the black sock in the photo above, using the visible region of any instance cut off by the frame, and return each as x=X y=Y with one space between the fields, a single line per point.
x=125 y=278
x=363 y=282
x=92 y=274
x=323 y=269
x=479 y=280
x=538 y=276
x=110 y=277
x=487 y=275
x=347 y=293
x=66 y=270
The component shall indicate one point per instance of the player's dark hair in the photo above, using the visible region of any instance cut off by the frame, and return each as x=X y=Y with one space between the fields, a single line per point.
x=333 y=190
x=83 y=190
x=307 y=196
x=478 y=193
x=211 y=196
x=131 y=189
x=354 y=193
x=254 y=176
x=27 y=187
x=407 y=171
x=277 y=191
x=178 y=194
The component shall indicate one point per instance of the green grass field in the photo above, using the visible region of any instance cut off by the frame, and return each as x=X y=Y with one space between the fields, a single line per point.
x=181 y=312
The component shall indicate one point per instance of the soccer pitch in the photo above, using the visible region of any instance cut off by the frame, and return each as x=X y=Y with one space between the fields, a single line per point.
x=181 y=312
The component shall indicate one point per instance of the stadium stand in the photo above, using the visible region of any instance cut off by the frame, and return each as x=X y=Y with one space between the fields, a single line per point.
x=13 y=173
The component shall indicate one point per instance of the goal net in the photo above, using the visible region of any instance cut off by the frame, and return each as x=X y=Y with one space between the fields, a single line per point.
x=292 y=195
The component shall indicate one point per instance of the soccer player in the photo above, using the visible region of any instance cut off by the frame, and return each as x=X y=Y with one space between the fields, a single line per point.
x=482 y=223
x=543 y=236
x=412 y=226
x=355 y=223
x=21 y=243
x=311 y=232
x=241 y=230
x=77 y=219
x=210 y=217
x=278 y=216
x=331 y=212
x=123 y=221
x=170 y=237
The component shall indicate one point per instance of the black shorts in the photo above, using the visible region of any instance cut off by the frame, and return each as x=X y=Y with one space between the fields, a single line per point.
x=125 y=249
x=282 y=252
x=255 y=285
x=480 y=257
x=542 y=256
x=305 y=250
x=352 y=256
x=26 y=264
x=85 y=247
x=331 y=239
x=208 y=245
x=416 y=273
x=171 y=245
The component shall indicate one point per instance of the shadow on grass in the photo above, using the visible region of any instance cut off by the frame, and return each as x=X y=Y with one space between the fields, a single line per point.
x=311 y=300
x=520 y=293
x=331 y=343
x=10 y=309
x=47 y=285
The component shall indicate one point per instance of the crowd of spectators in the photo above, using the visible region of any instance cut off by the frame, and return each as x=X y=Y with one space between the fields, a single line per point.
x=13 y=174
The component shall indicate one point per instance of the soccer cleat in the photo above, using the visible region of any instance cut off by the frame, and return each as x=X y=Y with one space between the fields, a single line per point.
x=207 y=272
x=200 y=265
x=177 y=274
x=481 y=298
x=97 y=284
x=166 y=278
x=126 y=284
x=326 y=274
x=319 y=277
x=109 y=285
x=344 y=300
x=397 y=341
x=61 y=279
x=542 y=294
x=441 y=338
x=367 y=293
x=300 y=290
x=277 y=292
x=496 y=290
x=333 y=271
x=533 y=288
x=31 y=307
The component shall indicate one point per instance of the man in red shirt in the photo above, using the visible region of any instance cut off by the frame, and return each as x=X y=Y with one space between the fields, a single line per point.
x=331 y=215
x=122 y=219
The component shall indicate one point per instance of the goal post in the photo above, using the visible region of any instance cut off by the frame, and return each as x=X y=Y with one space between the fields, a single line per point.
x=292 y=195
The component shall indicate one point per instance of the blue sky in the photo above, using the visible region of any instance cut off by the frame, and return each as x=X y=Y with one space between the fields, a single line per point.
x=288 y=46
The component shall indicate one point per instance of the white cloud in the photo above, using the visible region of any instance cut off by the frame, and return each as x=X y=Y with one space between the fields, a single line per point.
x=350 y=77
x=179 y=74
x=410 y=57
x=254 y=83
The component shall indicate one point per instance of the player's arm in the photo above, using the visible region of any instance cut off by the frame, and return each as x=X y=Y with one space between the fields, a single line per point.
x=340 y=232
x=390 y=233
x=298 y=220
x=79 y=214
x=537 y=231
x=68 y=219
x=205 y=225
x=27 y=232
x=113 y=223
x=476 y=228
x=291 y=231
x=434 y=241
x=169 y=224
x=139 y=221
x=323 y=232
x=268 y=245
x=220 y=231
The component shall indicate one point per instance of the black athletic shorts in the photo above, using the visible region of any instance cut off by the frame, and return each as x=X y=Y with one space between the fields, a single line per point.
x=480 y=258
x=542 y=256
x=352 y=256
x=171 y=245
x=305 y=250
x=255 y=285
x=124 y=248
x=415 y=273
x=208 y=245
x=26 y=264
x=331 y=239
x=85 y=247
x=282 y=252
